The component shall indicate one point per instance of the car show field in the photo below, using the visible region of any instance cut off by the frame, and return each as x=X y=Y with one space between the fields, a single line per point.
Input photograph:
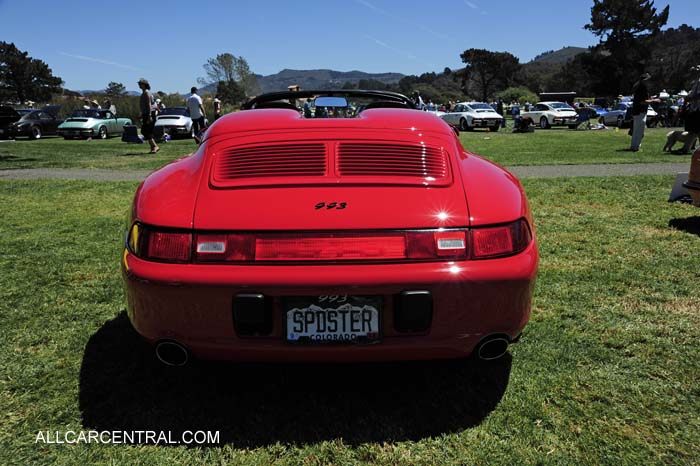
x=605 y=372
x=557 y=146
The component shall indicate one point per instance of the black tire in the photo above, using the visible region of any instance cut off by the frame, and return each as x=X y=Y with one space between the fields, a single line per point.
x=495 y=128
x=68 y=138
x=620 y=121
x=601 y=120
x=463 y=125
x=573 y=126
x=102 y=132
x=35 y=132
x=544 y=123
x=652 y=124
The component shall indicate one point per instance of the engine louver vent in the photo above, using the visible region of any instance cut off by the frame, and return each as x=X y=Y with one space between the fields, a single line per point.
x=279 y=160
x=395 y=160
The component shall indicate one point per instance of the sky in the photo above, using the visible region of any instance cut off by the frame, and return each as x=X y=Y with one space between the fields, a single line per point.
x=88 y=43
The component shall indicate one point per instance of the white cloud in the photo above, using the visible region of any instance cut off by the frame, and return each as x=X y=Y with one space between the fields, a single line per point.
x=99 y=60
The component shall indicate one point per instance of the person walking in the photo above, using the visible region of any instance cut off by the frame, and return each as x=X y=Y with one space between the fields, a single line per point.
x=194 y=105
x=147 y=118
x=640 y=106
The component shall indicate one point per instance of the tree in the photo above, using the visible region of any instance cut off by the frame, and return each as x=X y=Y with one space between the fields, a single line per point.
x=230 y=92
x=488 y=71
x=115 y=89
x=230 y=68
x=626 y=29
x=518 y=94
x=25 y=78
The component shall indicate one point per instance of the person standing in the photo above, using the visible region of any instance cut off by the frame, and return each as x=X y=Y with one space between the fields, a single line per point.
x=147 y=119
x=217 y=108
x=640 y=105
x=194 y=105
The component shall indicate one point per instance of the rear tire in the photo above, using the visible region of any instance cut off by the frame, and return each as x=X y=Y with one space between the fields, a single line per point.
x=102 y=132
x=601 y=120
x=463 y=125
x=495 y=129
x=35 y=132
x=620 y=121
x=544 y=124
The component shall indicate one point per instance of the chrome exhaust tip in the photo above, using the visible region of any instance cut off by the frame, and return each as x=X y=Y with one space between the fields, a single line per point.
x=172 y=353
x=493 y=348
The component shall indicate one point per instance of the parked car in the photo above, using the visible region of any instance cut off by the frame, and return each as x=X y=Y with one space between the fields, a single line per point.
x=33 y=124
x=599 y=110
x=89 y=123
x=363 y=238
x=176 y=122
x=548 y=114
x=621 y=116
x=469 y=115
x=9 y=115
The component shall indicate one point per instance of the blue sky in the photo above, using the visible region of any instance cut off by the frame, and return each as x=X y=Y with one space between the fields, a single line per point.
x=91 y=43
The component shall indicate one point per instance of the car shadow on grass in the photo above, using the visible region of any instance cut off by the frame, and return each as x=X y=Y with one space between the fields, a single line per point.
x=123 y=387
x=689 y=225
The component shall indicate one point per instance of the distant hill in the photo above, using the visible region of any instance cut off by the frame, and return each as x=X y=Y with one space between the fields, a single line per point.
x=560 y=56
x=315 y=79
x=320 y=79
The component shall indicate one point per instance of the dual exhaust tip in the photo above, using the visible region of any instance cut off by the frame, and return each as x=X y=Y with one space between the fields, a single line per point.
x=172 y=353
x=492 y=347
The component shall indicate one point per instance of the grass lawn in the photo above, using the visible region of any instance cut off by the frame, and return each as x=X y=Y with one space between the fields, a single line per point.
x=54 y=152
x=562 y=146
x=544 y=147
x=606 y=373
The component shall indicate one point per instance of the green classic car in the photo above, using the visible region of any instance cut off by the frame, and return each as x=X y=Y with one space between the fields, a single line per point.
x=92 y=123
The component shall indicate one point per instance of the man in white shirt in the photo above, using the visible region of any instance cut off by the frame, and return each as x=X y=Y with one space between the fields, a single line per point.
x=194 y=104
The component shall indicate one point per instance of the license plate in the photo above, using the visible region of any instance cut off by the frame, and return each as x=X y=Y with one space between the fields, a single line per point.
x=333 y=319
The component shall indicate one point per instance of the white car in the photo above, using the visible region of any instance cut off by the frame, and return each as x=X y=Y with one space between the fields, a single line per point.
x=176 y=122
x=548 y=114
x=469 y=115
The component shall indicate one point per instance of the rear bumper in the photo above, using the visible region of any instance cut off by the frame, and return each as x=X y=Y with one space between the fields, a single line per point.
x=193 y=304
x=76 y=132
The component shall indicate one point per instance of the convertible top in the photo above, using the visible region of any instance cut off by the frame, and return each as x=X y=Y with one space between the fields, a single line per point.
x=385 y=96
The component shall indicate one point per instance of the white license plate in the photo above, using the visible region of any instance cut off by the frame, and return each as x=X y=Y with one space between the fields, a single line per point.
x=333 y=319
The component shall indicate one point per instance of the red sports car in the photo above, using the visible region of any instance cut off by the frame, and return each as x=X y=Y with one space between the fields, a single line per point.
x=329 y=226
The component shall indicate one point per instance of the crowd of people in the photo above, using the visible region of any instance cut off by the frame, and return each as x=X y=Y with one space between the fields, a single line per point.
x=671 y=111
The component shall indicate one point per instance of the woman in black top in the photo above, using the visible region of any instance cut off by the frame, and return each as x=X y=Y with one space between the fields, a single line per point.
x=147 y=119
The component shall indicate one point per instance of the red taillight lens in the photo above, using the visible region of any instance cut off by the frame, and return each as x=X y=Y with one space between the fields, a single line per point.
x=169 y=246
x=499 y=241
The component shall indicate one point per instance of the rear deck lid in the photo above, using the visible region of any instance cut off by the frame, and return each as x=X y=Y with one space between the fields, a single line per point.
x=290 y=182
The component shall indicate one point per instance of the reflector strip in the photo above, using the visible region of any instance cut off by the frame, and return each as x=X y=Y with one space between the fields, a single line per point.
x=330 y=248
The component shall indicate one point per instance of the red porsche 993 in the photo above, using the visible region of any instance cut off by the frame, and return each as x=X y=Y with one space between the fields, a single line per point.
x=329 y=226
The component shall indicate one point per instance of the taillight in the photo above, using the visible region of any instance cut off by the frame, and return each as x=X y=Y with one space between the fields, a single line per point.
x=341 y=246
x=168 y=246
x=422 y=245
x=499 y=241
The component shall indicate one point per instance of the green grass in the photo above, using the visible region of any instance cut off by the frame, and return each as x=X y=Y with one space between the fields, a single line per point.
x=606 y=372
x=53 y=152
x=544 y=147
x=562 y=146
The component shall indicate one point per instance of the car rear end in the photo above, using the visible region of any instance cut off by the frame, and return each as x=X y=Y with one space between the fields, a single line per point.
x=323 y=245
